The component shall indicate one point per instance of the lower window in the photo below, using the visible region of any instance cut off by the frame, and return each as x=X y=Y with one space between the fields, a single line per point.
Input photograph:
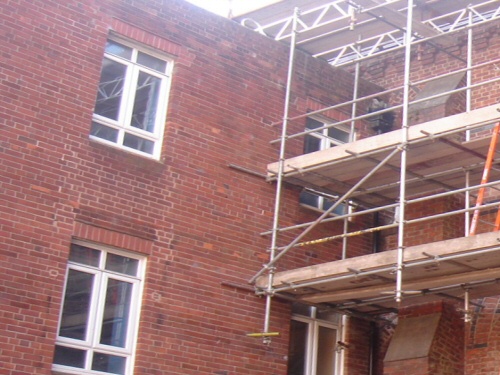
x=313 y=342
x=100 y=311
x=321 y=202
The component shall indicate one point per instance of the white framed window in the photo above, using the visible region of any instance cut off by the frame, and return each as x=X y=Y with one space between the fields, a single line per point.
x=313 y=342
x=323 y=138
x=317 y=141
x=100 y=312
x=321 y=202
x=132 y=98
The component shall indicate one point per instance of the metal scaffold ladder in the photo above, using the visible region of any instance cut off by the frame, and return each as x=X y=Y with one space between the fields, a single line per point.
x=484 y=180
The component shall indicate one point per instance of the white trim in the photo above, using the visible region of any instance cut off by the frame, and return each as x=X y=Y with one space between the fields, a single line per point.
x=102 y=276
x=122 y=125
x=313 y=326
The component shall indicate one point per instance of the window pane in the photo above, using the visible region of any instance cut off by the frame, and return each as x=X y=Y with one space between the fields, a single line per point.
x=138 y=143
x=69 y=357
x=338 y=134
x=117 y=263
x=313 y=124
x=116 y=313
x=110 y=90
x=76 y=306
x=311 y=144
x=152 y=62
x=146 y=102
x=297 y=348
x=339 y=210
x=84 y=255
x=104 y=132
x=108 y=363
x=118 y=49
x=308 y=199
x=326 y=351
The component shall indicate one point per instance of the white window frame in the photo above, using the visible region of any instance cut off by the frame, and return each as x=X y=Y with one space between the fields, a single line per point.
x=311 y=351
x=122 y=124
x=326 y=142
x=96 y=311
x=324 y=199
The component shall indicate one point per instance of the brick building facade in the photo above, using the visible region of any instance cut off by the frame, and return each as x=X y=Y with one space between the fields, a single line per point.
x=126 y=246
x=187 y=212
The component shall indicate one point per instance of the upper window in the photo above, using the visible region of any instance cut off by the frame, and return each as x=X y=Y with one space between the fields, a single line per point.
x=316 y=141
x=100 y=311
x=313 y=342
x=132 y=100
x=323 y=138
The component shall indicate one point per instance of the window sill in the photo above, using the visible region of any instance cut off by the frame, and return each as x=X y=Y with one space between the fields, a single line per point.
x=122 y=155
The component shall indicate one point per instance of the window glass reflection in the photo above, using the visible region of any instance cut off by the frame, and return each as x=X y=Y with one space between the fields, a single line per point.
x=112 y=364
x=110 y=89
x=116 y=313
x=118 y=49
x=146 y=102
x=75 y=315
x=325 y=363
x=152 y=62
x=121 y=264
x=138 y=143
x=69 y=356
x=84 y=255
x=104 y=132
x=297 y=348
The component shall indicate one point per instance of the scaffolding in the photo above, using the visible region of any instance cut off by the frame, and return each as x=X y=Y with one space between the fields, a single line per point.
x=387 y=172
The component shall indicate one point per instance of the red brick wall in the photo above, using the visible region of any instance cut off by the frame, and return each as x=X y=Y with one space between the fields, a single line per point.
x=430 y=230
x=447 y=351
x=197 y=220
x=482 y=338
x=357 y=355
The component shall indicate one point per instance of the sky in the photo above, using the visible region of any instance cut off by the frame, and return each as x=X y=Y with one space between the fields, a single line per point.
x=222 y=7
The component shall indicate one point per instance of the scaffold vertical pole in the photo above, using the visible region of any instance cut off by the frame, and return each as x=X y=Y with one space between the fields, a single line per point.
x=404 y=142
x=279 y=180
x=468 y=106
x=354 y=108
